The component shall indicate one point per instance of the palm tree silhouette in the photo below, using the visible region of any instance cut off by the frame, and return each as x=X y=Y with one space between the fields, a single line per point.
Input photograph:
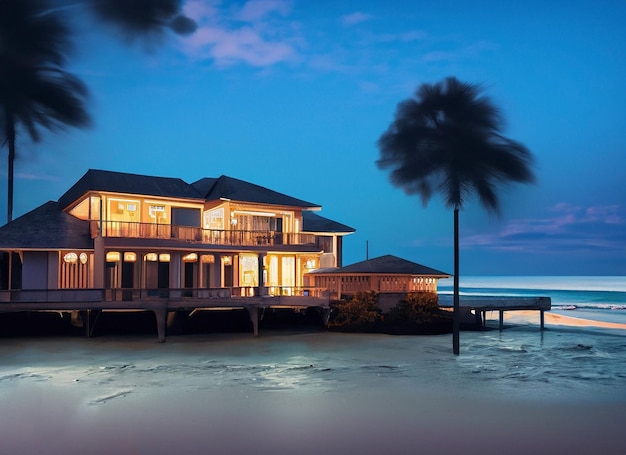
x=448 y=139
x=35 y=91
x=144 y=19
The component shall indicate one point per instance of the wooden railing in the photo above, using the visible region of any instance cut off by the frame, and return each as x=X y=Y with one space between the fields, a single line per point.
x=188 y=234
x=121 y=294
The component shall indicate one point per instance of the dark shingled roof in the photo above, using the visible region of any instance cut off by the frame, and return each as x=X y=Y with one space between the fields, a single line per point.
x=119 y=182
x=312 y=222
x=386 y=264
x=47 y=227
x=239 y=190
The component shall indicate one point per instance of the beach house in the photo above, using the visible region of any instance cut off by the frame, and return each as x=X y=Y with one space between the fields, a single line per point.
x=134 y=237
x=389 y=276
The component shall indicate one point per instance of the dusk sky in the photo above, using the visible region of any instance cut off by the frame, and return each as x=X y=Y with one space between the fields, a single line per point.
x=293 y=96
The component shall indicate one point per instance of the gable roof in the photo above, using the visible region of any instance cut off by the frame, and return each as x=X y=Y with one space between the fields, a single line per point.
x=387 y=264
x=234 y=189
x=312 y=222
x=120 y=182
x=47 y=227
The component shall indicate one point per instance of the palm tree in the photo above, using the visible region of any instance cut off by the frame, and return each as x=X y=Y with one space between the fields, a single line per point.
x=448 y=139
x=35 y=91
x=145 y=19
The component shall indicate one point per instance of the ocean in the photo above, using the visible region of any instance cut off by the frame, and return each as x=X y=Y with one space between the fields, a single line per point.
x=517 y=390
x=601 y=298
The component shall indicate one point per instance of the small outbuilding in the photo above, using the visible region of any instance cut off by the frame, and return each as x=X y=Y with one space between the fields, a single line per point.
x=384 y=274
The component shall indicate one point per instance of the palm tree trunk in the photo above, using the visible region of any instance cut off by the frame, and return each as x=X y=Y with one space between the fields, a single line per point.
x=456 y=322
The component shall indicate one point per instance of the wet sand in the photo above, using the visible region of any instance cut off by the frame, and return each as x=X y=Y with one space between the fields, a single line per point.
x=305 y=393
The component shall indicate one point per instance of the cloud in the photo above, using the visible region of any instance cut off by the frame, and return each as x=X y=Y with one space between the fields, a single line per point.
x=567 y=228
x=255 y=34
x=256 y=10
x=462 y=53
x=32 y=176
x=264 y=34
x=355 y=18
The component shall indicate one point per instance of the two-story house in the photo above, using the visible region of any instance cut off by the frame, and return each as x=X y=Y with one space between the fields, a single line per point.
x=136 y=236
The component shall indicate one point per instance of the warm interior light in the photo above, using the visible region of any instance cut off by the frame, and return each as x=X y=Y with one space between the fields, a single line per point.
x=70 y=258
x=207 y=259
x=227 y=260
x=249 y=212
x=164 y=257
x=130 y=257
x=83 y=258
x=113 y=256
x=151 y=257
x=191 y=257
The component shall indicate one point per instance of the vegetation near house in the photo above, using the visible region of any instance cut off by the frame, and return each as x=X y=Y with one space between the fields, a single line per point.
x=418 y=307
x=417 y=313
x=361 y=312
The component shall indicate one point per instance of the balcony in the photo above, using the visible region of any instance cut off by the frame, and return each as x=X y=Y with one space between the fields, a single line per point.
x=127 y=229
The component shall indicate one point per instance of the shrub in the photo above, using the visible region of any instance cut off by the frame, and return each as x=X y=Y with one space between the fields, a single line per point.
x=359 y=312
x=416 y=307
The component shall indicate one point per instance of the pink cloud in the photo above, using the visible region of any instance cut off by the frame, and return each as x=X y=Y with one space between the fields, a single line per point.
x=567 y=227
x=227 y=41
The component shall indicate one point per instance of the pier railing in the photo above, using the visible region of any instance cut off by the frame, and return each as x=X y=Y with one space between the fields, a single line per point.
x=189 y=234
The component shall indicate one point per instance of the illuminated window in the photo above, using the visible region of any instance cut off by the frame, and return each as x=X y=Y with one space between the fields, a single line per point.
x=130 y=257
x=164 y=257
x=151 y=257
x=248 y=270
x=227 y=260
x=113 y=256
x=83 y=258
x=207 y=259
x=70 y=258
x=191 y=257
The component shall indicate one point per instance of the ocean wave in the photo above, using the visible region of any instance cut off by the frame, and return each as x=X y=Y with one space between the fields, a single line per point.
x=595 y=306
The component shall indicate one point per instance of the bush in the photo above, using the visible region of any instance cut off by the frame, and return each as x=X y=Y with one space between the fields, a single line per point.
x=359 y=312
x=417 y=307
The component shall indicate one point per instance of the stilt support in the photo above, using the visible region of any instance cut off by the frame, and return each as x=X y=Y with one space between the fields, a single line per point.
x=89 y=319
x=541 y=319
x=253 y=312
x=501 y=319
x=161 y=319
x=325 y=313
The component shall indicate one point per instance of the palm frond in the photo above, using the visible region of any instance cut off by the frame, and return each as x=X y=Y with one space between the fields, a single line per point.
x=447 y=138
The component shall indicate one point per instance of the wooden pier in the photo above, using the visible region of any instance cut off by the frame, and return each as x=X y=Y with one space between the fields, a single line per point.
x=478 y=306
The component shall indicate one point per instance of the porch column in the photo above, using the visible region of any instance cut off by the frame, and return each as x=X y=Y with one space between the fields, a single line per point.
x=262 y=278
x=175 y=270
x=216 y=271
x=99 y=262
x=10 y=277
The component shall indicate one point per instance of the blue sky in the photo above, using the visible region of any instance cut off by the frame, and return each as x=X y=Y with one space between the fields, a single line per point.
x=293 y=95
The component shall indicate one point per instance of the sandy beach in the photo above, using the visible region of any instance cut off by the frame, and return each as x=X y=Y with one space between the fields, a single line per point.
x=509 y=392
x=532 y=317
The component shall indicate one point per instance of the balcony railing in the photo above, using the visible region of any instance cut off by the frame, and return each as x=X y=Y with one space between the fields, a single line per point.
x=127 y=229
